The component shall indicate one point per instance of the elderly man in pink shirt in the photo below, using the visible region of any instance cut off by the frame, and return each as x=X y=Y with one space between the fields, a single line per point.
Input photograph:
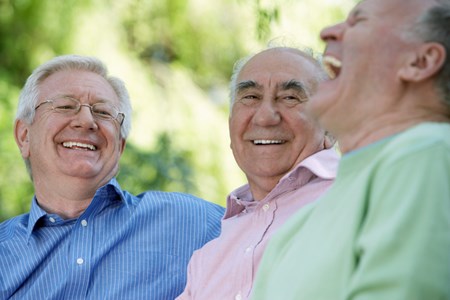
x=288 y=161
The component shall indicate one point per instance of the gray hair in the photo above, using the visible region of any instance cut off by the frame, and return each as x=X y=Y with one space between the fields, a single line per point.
x=434 y=26
x=308 y=53
x=29 y=95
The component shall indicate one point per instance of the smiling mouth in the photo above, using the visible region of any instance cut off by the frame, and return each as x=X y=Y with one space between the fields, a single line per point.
x=332 y=66
x=80 y=146
x=268 y=142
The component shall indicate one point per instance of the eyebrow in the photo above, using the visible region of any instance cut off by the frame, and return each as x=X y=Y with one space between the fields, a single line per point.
x=245 y=85
x=288 y=85
x=293 y=85
x=97 y=100
x=296 y=86
x=355 y=13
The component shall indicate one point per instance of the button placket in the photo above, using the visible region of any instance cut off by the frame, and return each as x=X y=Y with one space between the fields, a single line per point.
x=80 y=260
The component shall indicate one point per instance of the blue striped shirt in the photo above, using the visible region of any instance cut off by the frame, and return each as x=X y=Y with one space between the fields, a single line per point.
x=122 y=247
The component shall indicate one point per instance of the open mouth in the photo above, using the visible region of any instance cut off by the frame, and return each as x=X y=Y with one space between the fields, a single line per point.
x=268 y=142
x=79 y=146
x=332 y=66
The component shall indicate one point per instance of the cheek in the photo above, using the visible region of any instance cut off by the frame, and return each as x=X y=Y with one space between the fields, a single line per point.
x=40 y=132
x=307 y=129
x=236 y=132
x=111 y=132
x=300 y=120
x=237 y=124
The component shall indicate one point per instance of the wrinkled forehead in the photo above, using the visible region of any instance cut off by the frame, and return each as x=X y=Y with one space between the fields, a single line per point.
x=399 y=10
x=77 y=84
x=282 y=64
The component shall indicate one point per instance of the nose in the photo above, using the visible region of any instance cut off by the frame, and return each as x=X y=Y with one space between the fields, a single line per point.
x=84 y=118
x=267 y=114
x=332 y=33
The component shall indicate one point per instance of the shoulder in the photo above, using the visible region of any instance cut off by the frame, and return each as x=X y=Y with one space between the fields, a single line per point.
x=174 y=201
x=422 y=137
x=425 y=142
x=10 y=227
x=183 y=212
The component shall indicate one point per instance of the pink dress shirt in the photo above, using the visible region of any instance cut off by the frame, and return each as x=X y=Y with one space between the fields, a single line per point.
x=225 y=267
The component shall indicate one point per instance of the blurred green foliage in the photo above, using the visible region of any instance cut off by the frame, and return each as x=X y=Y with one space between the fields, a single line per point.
x=168 y=31
x=176 y=57
x=32 y=31
x=164 y=167
x=27 y=29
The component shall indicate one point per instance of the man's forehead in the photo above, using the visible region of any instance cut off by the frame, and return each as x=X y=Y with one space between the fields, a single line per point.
x=289 y=84
x=289 y=61
x=392 y=8
x=77 y=83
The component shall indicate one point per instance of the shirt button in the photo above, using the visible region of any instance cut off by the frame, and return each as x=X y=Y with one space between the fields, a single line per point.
x=248 y=249
x=80 y=261
x=51 y=219
x=238 y=297
x=266 y=207
x=83 y=223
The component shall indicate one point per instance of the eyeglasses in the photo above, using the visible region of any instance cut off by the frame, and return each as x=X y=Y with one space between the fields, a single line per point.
x=71 y=106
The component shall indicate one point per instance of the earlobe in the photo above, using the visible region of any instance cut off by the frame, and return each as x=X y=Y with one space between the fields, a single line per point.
x=423 y=63
x=123 y=143
x=21 y=132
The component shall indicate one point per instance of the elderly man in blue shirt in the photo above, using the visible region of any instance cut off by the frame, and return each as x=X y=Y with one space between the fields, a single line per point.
x=85 y=237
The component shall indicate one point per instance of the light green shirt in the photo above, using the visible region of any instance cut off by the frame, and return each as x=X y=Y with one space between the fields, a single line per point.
x=381 y=232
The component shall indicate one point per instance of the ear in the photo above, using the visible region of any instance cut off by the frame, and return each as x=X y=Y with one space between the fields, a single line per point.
x=229 y=130
x=423 y=63
x=123 y=143
x=21 y=134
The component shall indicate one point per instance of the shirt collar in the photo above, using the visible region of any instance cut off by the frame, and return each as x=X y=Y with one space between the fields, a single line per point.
x=104 y=196
x=322 y=164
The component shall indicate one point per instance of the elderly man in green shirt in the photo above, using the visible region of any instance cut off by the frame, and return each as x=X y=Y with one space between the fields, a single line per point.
x=383 y=229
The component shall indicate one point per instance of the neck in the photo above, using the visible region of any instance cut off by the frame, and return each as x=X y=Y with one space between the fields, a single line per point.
x=66 y=209
x=261 y=187
x=382 y=127
x=408 y=106
x=68 y=200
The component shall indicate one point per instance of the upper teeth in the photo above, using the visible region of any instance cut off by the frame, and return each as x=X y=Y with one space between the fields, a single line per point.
x=330 y=65
x=266 y=142
x=80 y=145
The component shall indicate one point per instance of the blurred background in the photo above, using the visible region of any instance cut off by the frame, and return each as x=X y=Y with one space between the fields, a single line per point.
x=176 y=58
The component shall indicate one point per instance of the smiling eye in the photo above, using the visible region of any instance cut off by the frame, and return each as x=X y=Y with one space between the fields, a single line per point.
x=65 y=104
x=292 y=100
x=66 y=107
x=249 y=99
x=355 y=18
x=104 y=111
x=353 y=22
